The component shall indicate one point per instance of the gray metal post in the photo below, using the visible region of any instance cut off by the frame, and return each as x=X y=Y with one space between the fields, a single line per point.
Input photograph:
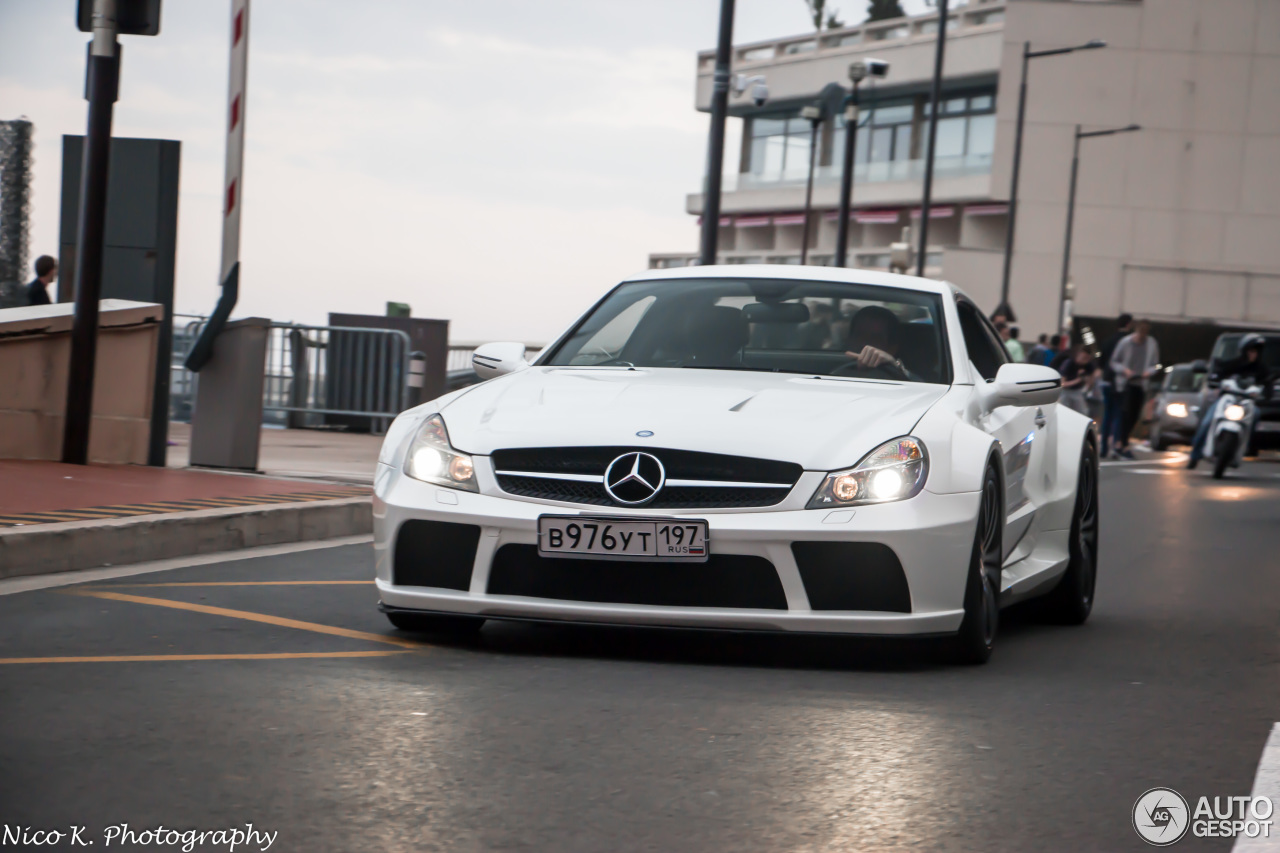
x=814 y=124
x=715 y=138
x=1066 y=247
x=846 y=178
x=927 y=200
x=1012 y=216
x=101 y=88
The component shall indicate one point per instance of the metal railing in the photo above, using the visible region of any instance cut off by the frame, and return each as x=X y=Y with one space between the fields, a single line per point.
x=336 y=375
x=314 y=376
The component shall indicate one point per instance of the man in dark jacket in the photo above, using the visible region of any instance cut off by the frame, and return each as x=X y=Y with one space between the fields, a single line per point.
x=46 y=274
x=1249 y=364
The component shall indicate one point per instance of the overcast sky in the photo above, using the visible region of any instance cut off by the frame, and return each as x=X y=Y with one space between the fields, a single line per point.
x=498 y=164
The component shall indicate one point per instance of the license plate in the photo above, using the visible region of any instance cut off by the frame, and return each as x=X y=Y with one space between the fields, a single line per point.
x=1268 y=426
x=623 y=538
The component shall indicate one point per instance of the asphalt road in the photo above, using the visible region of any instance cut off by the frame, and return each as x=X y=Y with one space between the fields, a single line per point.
x=348 y=737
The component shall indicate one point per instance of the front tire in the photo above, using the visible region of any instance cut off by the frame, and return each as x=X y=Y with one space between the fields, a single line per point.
x=1158 y=440
x=976 y=639
x=1224 y=452
x=436 y=623
x=1071 y=600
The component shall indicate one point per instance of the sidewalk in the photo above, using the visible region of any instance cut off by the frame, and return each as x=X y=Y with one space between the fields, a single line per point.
x=303 y=453
x=56 y=517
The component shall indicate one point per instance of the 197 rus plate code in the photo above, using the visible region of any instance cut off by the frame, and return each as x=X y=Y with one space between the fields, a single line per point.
x=622 y=538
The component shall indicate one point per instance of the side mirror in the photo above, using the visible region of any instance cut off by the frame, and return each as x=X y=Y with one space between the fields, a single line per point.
x=498 y=359
x=1024 y=385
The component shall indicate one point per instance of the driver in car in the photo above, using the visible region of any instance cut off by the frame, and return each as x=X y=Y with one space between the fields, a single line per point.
x=873 y=340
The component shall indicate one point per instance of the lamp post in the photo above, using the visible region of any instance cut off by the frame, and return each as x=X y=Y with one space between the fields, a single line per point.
x=1027 y=55
x=1071 y=212
x=858 y=71
x=715 y=137
x=927 y=199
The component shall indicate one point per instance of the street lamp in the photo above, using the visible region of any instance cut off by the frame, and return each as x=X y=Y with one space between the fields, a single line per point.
x=715 y=137
x=827 y=104
x=1027 y=55
x=858 y=71
x=1071 y=212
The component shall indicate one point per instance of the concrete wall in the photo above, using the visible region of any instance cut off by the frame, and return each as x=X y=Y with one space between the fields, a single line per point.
x=35 y=349
x=1179 y=220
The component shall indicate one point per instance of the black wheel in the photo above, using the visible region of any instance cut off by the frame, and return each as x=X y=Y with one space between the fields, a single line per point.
x=1072 y=599
x=1158 y=441
x=1224 y=452
x=977 y=635
x=436 y=623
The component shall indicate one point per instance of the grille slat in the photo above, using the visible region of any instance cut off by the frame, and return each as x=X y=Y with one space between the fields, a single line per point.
x=517 y=469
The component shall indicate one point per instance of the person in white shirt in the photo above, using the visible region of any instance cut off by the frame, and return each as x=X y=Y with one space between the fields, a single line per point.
x=1134 y=360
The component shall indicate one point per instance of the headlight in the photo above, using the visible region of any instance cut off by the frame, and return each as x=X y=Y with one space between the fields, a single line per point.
x=1234 y=412
x=1176 y=410
x=894 y=471
x=433 y=460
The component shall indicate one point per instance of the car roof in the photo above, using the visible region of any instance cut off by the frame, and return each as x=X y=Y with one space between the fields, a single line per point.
x=799 y=273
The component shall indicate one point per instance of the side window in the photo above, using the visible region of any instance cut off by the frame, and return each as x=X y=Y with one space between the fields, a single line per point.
x=984 y=348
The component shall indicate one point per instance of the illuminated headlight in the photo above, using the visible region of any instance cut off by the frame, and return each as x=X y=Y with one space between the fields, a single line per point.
x=433 y=460
x=894 y=471
x=1234 y=412
x=1177 y=410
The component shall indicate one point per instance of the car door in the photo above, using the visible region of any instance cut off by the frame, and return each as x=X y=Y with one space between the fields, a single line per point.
x=1024 y=433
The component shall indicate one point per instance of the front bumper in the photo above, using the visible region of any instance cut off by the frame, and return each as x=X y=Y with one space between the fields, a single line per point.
x=931 y=535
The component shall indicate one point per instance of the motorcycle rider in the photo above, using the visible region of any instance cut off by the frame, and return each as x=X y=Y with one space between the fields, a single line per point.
x=1247 y=363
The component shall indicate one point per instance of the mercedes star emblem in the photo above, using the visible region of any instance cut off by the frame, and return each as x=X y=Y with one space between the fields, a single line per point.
x=634 y=478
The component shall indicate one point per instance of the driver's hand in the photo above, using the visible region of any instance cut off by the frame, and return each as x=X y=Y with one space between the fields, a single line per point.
x=871 y=356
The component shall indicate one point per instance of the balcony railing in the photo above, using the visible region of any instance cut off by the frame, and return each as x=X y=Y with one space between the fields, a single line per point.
x=863 y=173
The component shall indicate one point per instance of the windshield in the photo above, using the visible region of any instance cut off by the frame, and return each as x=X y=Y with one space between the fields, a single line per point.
x=1184 y=380
x=769 y=325
x=1228 y=347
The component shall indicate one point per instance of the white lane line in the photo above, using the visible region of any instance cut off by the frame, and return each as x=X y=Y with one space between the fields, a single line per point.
x=34 y=582
x=1265 y=784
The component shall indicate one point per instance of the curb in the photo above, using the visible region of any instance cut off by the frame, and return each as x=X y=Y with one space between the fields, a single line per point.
x=70 y=546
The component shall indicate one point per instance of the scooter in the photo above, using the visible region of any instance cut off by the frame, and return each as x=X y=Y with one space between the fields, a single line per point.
x=1233 y=418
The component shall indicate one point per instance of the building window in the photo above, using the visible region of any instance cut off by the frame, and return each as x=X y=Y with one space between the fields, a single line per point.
x=966 y=124
x=779 y=147
x=885 y=133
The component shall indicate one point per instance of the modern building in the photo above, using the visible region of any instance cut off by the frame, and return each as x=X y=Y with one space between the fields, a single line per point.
x=1179 y=222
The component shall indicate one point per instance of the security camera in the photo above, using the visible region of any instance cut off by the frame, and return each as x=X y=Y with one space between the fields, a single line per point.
x=759 y=89
x=864 y=68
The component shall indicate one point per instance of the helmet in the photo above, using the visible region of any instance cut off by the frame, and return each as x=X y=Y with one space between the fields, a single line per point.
x=1252 y=340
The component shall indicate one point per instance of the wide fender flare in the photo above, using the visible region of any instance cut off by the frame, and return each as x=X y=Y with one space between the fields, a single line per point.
x=958 y=452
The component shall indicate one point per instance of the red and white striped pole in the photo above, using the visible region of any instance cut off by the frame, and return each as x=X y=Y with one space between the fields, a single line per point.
x=233 y=196
x=235 y=136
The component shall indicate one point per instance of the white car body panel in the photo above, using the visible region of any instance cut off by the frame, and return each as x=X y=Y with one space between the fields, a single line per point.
x=822 y=424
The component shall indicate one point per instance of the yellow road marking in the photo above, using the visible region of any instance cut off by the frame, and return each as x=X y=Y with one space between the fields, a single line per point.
x=231 y=583
x=137 y=658
x=251 y=617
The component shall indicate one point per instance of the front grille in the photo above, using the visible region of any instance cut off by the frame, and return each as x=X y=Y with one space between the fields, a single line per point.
x=725 y=580
x=718 y=473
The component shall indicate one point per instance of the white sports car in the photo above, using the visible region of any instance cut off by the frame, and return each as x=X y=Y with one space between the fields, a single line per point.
x=749 y=448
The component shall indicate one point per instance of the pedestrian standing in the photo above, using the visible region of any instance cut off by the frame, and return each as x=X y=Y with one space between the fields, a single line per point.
x=1040 y=353
x=1008 y=334
x=1134 y=361
x=1111 y=408
x=46 y=274
x=1079 y=374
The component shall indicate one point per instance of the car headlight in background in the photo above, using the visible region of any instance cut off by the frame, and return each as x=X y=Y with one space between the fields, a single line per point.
x=894 y=471
x=433 y=460
x=1234 y=412
x=1176 y=410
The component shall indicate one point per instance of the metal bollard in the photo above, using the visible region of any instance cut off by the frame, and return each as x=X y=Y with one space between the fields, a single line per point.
x=417 y=376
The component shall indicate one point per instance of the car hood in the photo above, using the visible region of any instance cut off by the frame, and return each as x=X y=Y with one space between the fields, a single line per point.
x=820 y=423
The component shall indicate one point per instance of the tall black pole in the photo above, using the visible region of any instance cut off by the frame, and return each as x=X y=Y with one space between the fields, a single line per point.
x=1013 y=182
x=715 y=139
x=101 y=89
x=808 y=191
x=1066 y=247
x=846 y=178
x=927 y=201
